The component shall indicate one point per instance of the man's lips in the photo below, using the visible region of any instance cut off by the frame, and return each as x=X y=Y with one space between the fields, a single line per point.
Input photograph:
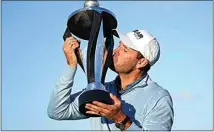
x=115 y=57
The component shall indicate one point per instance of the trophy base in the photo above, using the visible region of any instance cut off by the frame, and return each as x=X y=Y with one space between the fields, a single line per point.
x=93 y=95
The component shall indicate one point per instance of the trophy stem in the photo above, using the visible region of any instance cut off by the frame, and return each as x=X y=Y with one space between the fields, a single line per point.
x=99 y=52
x=91 y=51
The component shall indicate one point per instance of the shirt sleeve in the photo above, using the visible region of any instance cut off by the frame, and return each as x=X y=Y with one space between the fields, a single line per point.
x=161 y=116
x=63 y=105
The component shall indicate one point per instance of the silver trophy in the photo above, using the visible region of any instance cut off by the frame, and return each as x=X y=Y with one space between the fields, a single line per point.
x=94 y=24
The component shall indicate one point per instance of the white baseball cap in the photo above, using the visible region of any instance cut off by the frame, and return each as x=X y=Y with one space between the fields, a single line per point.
x=143 y=42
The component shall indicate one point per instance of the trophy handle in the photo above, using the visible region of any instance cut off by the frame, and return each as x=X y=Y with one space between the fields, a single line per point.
x=109 y=43
x=77 y=52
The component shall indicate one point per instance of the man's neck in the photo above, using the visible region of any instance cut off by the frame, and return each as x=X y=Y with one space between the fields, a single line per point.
x=127 y=79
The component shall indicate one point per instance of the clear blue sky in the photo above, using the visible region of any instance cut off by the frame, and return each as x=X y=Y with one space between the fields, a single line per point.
x=33 y=59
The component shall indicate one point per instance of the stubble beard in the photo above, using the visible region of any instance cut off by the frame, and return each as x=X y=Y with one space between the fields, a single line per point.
x=125 y=68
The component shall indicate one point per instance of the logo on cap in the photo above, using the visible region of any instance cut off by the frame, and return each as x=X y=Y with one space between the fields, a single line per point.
x=138 y=34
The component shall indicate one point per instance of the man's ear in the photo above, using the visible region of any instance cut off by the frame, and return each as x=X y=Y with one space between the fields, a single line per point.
x=142 y=63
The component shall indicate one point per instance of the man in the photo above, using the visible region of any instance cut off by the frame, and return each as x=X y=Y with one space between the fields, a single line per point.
x=139 y=103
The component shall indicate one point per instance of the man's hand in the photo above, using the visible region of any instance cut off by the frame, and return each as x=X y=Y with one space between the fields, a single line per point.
x=69 y=47
x=112 y=112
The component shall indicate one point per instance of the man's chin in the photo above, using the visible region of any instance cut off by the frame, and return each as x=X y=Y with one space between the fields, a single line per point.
x=115 y=68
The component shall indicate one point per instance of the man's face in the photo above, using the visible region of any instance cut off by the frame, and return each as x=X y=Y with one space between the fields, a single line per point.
x=125 y=59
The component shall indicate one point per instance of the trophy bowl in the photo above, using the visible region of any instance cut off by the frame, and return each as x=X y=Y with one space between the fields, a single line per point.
x=80 y=22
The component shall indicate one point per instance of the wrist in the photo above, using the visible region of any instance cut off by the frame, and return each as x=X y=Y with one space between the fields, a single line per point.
x=74 y=65
x=128 y=124
x=120 y=117
x=123 y=122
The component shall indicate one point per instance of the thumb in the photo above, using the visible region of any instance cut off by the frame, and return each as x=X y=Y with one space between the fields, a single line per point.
x=114 y=98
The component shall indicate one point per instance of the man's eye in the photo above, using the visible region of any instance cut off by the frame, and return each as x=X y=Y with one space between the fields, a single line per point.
x=126 y=50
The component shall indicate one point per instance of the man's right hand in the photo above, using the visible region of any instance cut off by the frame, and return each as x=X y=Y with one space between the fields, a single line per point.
x=69 y=47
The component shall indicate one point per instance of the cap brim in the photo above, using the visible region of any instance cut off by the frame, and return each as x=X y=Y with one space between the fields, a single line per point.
x=124 y=38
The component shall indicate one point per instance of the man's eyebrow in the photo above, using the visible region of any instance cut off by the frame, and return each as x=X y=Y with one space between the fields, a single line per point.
x=126 y=46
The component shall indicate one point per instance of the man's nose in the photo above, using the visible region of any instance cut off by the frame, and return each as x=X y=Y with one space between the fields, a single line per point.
x=115 y=51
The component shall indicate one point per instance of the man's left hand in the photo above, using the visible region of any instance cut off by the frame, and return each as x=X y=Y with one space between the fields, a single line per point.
x=112 y=112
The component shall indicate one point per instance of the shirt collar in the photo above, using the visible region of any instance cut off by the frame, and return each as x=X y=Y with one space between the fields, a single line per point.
x=140 y=83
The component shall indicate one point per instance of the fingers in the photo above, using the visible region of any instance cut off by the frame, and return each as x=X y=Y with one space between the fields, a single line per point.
x=96 y=109
x=72 y=38
x=93 y=112
x=100 y=104
x=69 y=47
x=71 y=43
x=91 y=107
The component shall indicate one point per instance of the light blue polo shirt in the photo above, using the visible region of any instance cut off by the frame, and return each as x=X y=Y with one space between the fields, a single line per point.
x=148 y=105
